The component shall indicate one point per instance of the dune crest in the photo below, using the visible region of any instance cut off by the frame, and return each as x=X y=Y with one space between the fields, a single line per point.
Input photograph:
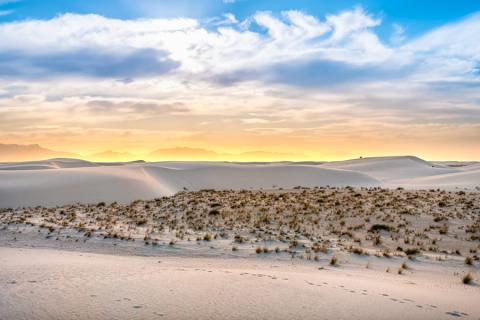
x=62 y=181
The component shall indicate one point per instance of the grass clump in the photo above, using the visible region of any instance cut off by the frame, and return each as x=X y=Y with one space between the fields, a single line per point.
x=412 y=251
x=334 y=261
x=467 y=279
x=380 y=227
x=469 y=261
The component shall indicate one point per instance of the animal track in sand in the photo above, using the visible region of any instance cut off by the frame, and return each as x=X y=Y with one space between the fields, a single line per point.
x=394 y=300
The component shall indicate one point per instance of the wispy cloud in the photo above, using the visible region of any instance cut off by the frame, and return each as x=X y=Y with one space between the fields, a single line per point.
x=6 y=12
x=324 y=75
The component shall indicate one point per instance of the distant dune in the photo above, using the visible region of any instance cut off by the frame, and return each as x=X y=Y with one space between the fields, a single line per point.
x=62 y=181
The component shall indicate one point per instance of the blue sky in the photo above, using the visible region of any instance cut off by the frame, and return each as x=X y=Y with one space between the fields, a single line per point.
x=415 y=16
x=308 y=77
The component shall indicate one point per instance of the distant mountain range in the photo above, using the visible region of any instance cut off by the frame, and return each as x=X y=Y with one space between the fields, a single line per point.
x=15 y=152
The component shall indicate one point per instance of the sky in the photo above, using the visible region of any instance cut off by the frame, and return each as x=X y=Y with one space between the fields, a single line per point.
x=319 y=80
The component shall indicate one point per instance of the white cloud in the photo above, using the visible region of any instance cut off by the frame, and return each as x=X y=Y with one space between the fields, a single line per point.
x=255 y=121
x=6 y=12
x=291 y=66
x=398 y=35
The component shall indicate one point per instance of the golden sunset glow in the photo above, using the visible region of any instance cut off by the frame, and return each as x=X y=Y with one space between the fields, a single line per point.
x=292 y=86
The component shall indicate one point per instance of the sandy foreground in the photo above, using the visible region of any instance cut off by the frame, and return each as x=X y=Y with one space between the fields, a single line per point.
x=376 y=238
x=54 y=284
x=65 y=181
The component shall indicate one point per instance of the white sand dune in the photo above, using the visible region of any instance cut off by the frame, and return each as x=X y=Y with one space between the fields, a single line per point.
x=62 y=181
x=130 y=182
x=389 y=169
x=464 y=179
x=47 y=164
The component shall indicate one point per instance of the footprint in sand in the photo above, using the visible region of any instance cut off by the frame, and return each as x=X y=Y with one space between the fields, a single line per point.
x=454 y=314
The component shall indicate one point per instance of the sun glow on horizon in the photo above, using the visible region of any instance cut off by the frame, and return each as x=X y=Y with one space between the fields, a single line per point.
x=285 y=84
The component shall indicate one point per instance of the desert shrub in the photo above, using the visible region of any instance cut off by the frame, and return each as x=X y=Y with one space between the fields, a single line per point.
x=214 y=212
x=380 y=227
x=356 y=250
x=469 y=261
x=412 y=251
x=333 y=261
x=141 y=222
x=467 y=279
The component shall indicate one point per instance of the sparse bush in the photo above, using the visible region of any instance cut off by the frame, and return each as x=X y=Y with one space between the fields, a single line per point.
x=469 y=261
x=467 y=279
x=412 y=251
x=334 y=261
x=379 y=227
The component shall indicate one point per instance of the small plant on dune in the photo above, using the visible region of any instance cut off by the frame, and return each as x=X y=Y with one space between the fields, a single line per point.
x=404 y=266
x=207 y=237
x=234 y=248
x=412 y=251
x=469 y=261
x=357 y=250
x=377 y=240
x=334 y=261
x=259 y=250
x=380 y=227
x=468 y=278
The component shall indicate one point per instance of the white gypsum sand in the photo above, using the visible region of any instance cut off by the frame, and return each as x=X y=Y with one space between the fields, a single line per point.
x=64 y=181
x=250 y=245
x=48 y=284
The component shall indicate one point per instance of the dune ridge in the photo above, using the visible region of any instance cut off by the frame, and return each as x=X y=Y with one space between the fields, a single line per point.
x=63 y=181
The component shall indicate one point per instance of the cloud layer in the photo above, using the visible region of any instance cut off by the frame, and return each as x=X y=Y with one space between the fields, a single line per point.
x=289 y=75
